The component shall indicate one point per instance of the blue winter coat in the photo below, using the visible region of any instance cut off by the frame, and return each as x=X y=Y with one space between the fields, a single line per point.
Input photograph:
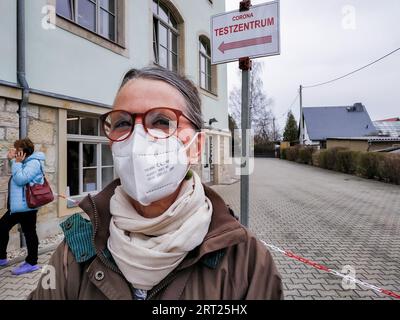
x=28 y=171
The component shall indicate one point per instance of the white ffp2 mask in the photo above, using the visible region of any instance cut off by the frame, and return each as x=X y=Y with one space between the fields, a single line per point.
x=150 y=169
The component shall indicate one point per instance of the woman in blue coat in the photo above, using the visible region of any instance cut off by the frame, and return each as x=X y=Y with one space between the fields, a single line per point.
x=26 y=167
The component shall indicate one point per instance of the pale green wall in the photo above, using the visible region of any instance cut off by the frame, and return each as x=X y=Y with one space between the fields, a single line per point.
x=8 y=36
x=60 y=62
x=196 y=14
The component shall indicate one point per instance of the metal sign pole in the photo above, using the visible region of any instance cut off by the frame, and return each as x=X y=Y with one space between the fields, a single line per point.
x=257 y=35
x=245 y=66
x=301 y=138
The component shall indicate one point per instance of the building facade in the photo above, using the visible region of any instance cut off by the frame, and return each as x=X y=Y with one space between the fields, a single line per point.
x=76 y=53
x=365 y=144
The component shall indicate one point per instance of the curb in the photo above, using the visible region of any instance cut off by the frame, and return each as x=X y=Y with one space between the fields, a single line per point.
x=233 y=181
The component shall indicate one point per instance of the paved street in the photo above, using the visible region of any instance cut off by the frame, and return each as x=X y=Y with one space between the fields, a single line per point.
x=328 y=217
x=18 y=288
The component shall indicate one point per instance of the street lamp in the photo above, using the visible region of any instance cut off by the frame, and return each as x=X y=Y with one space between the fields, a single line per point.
x=211 y=121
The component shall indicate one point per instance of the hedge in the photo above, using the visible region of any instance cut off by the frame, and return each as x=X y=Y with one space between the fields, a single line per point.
x=283 y=154
x=389 y=169
x=370 y=165
x=292 y=153
x=305 y=155
x=346 y=161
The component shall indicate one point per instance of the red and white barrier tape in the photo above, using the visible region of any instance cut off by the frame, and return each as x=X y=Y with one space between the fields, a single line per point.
x=332 y=271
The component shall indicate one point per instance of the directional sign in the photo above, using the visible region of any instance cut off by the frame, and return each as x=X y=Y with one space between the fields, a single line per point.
x=253 y=33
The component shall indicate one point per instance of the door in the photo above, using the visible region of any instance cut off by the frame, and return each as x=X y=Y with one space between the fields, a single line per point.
x=208 y=166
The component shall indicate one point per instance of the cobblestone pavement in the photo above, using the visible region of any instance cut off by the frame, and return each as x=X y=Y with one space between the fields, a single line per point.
x=19 y=287
x=328 y=217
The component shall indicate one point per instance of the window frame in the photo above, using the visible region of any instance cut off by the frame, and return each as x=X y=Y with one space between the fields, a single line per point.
x=98 y=8
x=118 y=45
x=208 y=65
x=213 y=75
x=171 y=30
x=98 y=141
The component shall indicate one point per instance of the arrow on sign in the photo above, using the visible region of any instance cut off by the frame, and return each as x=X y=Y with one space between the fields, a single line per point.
x=244 y=43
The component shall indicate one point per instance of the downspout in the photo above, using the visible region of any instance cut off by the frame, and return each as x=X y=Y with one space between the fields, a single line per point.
x=21 y=77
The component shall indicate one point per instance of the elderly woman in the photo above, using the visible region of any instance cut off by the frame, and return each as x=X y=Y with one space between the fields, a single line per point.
x=157 y=232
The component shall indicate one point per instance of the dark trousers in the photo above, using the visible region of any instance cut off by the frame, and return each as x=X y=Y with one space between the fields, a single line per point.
x=28 y=225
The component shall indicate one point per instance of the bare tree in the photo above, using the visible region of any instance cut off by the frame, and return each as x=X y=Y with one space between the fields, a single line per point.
x=262 y=118
x=235 y=105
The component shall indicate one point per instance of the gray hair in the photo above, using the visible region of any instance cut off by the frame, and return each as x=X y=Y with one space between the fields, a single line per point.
x=181 y=83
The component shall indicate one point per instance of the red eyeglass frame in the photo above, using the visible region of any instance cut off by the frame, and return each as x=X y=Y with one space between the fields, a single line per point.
x=178 y=114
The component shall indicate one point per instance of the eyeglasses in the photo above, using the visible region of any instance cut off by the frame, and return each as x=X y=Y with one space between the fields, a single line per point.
x=160 y=123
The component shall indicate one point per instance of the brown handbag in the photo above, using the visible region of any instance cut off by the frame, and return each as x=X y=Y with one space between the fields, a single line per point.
x=39 y=194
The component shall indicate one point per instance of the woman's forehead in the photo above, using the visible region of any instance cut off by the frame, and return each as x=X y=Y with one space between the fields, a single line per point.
x=140 y=95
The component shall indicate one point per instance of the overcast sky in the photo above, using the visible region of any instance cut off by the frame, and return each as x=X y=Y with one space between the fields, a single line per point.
x=319 y=44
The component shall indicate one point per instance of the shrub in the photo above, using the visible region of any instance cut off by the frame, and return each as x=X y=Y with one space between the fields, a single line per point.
x=292 y=153
x=368 y=164
x=346 y=161
x=315 y=158
x=371 y=165
x=328 y=158
x=322 y=159
x=298 y=154
x=305 y=155
x=332 y=158
x=389 y=168
x=283 y=154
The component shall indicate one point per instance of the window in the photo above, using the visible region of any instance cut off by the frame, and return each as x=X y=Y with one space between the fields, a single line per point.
x=89 y=159
x=207 y=72
x=165 y=37
x=205 y=63
x=99 y=16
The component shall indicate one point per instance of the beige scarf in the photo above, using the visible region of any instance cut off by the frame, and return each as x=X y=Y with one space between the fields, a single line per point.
x=147 y=250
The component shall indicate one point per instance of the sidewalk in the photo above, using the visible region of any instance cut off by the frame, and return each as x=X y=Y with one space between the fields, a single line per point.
x=19 y=287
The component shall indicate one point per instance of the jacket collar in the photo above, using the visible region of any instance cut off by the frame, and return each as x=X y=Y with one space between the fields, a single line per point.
x=224 y=230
